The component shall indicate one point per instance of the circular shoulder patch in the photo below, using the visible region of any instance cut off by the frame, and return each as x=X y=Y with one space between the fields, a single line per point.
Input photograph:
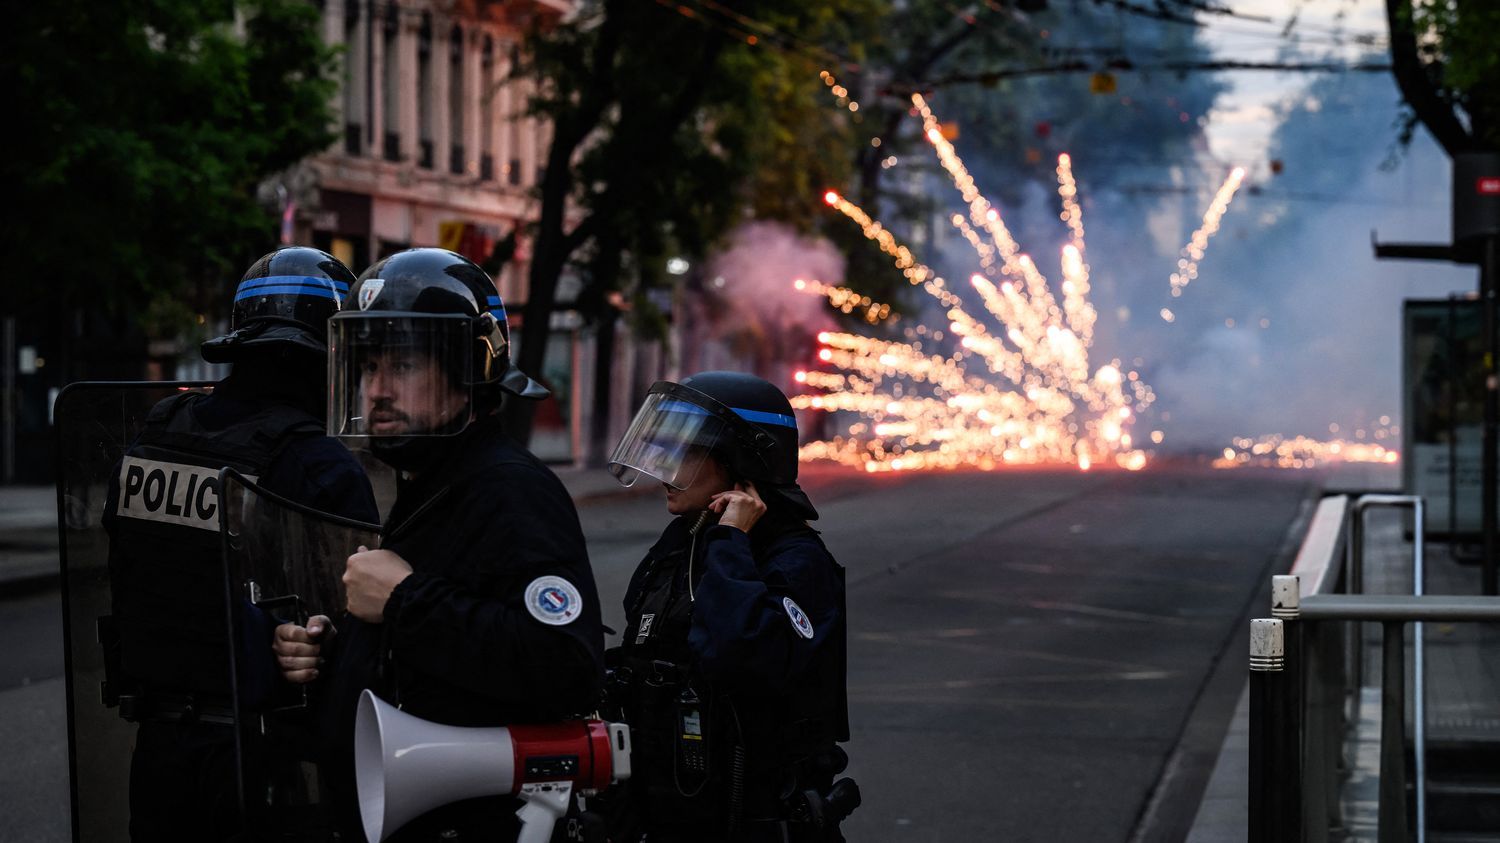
x=799 y=617
x=553 y=601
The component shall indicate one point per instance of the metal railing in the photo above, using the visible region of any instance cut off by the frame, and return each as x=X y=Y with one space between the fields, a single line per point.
x=1302 y=699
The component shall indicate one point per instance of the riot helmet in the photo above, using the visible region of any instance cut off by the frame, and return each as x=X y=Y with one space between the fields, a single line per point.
x=741 y=420
x=283 y=304
x=420 y=347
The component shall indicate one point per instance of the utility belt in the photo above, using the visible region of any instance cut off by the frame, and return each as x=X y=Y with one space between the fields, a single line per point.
x=693 y=752
x=163 y=707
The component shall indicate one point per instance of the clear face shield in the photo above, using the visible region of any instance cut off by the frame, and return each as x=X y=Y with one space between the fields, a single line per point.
x=670 y=437
x=394 y=376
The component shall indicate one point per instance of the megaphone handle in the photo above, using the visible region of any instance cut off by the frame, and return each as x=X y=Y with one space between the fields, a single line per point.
x=545 y=804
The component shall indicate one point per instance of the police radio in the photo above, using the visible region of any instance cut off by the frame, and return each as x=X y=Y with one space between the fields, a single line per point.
x=690 y=761
x=406 y=766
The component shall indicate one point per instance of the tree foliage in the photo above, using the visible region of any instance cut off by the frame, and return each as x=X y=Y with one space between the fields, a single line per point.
x=1444 y=58
x=148 y=127
x=671 y=123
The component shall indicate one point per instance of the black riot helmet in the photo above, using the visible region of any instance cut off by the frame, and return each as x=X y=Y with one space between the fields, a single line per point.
x=283 y=304
x=740 y=419
x=421 y=340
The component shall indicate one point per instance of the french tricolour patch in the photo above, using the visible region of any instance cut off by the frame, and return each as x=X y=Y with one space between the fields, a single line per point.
x=799 y=617
x=553 y=601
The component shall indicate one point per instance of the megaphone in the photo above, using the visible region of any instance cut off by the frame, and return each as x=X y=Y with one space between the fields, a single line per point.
x=406 y=766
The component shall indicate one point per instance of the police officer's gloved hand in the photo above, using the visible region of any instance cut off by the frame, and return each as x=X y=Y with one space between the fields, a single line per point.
x=739 y=507
x=298 y=648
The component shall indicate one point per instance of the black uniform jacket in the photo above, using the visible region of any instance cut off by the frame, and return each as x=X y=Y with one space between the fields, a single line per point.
x=762 y=629
x=482 y=527
x=168 y=588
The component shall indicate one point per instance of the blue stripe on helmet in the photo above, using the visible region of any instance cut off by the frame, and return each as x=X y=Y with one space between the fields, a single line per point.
x=285 y=280
x=304 y=290
x=299 y=279
x=673 y=405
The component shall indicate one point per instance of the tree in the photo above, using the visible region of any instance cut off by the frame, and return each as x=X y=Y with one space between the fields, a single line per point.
x=149 y=126
x=669 y=124
x=1445 y=63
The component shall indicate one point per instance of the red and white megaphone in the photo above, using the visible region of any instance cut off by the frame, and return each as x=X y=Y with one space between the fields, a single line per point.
x=406 y=766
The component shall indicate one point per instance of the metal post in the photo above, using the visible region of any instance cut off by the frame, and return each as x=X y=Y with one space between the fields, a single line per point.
x=1267 y=764
x=1392 y=812
x=1419 y=673
x=1488 y=303
x=1453 y=422
x=1419 y=573
x=1286 y=598
x=9 y=400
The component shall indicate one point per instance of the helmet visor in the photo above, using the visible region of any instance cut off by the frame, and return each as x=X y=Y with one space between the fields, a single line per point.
x=669 y=438
x=398 y=375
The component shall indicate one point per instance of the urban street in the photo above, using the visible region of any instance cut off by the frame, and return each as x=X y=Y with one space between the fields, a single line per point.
x=1034 y=655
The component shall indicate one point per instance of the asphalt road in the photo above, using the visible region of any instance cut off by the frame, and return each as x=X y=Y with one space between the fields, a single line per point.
x=1032 y=658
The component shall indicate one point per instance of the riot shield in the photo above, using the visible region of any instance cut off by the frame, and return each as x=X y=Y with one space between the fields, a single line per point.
x=94 y=423
x=283 y=562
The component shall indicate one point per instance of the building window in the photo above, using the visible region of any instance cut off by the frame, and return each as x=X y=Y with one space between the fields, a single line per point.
x=457 y=93
x=354 y=81
x=426 y=93
x=391 y=78
x=487 y=83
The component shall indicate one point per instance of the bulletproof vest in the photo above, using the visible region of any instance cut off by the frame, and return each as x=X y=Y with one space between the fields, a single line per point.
x=166 y=560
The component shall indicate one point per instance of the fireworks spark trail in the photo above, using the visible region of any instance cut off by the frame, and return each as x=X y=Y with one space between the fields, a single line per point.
x=1192 y=253
x=847 y=300
x=1277 y=451
x=1075 y=269
x=985 y=251
x=920 y=404
x=981 y=211
x=1302 y=452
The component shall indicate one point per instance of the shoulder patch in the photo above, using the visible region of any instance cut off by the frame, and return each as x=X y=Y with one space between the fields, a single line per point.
x=800 y=622
x=553 y=601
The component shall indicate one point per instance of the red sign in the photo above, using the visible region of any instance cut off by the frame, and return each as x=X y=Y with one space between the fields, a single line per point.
x=1488 y=186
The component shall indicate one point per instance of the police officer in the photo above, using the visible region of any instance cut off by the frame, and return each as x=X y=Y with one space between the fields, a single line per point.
x=266 y=419
x=480 y=607
x=731 y=670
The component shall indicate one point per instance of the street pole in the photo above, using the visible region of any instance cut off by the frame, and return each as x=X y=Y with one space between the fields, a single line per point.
x=1487 y=498
x=1271 y=763
x=8 y=399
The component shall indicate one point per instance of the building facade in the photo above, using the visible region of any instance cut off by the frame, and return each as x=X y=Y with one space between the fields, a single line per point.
x=435 y=147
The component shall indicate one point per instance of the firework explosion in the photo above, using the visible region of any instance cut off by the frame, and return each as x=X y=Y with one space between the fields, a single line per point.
x=1305 y=452
x=1011 y=383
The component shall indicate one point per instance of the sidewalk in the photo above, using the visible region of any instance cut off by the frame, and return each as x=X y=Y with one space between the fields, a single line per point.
x=1463 y=697
x=28 y=536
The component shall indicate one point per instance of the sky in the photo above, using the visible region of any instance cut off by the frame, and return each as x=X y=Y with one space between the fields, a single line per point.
x=1331 y=351
x=1291 y=325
